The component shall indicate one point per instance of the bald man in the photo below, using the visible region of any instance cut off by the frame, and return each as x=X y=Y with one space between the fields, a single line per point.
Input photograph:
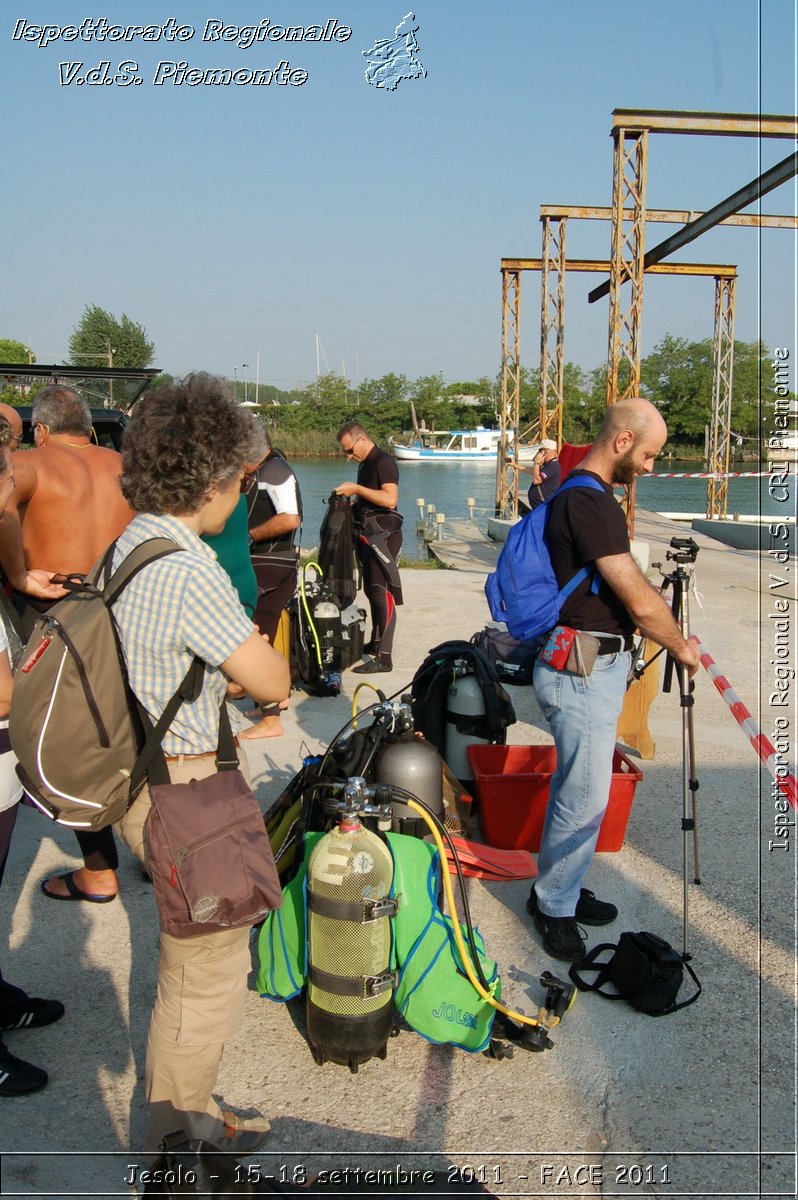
x=588 y=526
x=11 y=414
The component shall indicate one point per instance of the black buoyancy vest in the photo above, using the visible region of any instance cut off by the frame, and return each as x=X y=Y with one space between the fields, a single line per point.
x=336 y=550
x=430 y=687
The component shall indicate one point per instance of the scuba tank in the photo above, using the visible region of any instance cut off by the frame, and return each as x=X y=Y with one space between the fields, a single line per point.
x=350 y=983
x=316 y=637
x=465 y=715
x=410 y=762
x=327 y=620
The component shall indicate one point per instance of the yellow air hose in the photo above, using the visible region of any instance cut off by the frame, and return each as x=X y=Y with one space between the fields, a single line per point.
x=545 y=1018
x=311 y=626
x=358 y=689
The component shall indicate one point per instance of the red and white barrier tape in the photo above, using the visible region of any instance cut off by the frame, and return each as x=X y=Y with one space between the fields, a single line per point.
x=707 y=475
x=787 y=783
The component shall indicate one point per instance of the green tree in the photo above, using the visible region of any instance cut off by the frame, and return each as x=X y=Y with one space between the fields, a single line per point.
x=386 y=390
x=11 y=395
x=99 y=339
x=12 y=351
x=679 y=377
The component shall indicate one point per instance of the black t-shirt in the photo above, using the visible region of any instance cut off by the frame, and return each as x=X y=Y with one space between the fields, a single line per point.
x=376 y=469
x=584 y=525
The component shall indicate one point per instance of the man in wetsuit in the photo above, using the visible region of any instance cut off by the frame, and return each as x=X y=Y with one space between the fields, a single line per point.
x=275 y=516
x=378 y=539
x=65 y=510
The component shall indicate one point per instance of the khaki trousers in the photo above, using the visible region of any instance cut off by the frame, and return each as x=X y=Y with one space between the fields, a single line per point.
x=202 y=986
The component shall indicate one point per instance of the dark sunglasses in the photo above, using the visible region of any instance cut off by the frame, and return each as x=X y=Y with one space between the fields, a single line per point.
x=247 y=483
x=348 y=453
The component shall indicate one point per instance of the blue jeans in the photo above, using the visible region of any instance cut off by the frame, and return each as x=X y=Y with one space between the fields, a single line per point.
x=582 y=714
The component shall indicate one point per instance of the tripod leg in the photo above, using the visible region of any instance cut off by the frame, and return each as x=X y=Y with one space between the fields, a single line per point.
x=689 y=780
x=692 y=781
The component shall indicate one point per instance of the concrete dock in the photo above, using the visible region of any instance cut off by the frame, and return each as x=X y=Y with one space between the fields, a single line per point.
x=700 y=1103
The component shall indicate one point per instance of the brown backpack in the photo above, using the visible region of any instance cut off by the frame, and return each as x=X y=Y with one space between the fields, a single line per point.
x=74 y=723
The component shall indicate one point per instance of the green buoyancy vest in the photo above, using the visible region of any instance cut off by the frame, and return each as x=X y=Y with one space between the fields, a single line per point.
x=432 y=993
x=282 y=941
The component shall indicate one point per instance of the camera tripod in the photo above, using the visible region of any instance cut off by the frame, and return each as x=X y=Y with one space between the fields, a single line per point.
x=683 y=553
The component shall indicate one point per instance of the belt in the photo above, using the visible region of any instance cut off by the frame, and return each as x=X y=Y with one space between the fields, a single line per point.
x=612 y=643
x=207 y=754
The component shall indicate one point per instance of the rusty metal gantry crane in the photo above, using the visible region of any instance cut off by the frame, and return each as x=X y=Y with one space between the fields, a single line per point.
x=553 y=323
x=629 y=262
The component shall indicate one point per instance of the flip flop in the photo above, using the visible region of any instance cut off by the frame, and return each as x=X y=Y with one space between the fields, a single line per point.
x=74 y=891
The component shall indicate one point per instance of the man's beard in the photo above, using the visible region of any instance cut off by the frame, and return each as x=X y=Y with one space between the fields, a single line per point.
x=625 y=470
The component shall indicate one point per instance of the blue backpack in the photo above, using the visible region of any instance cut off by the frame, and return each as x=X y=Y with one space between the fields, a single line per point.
x=523 y=590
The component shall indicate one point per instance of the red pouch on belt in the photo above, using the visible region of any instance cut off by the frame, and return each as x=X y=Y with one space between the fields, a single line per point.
x=557 y=649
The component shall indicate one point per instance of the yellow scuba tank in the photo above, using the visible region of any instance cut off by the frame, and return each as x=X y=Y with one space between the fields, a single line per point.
x=350 y=984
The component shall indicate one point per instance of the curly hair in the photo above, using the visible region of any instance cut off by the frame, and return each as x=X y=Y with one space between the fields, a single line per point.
x=184 y=438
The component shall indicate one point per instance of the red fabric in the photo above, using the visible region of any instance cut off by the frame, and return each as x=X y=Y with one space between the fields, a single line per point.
x=570 y=457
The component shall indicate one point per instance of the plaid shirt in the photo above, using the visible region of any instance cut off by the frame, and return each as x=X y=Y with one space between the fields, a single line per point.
x=177 y=607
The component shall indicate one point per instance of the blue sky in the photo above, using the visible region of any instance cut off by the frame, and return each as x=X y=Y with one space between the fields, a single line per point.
x=237 y=221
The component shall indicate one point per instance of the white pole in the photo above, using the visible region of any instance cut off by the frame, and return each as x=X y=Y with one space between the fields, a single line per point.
x=257 y=375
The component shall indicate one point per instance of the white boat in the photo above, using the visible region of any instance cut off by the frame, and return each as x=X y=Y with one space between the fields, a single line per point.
x=461 y=445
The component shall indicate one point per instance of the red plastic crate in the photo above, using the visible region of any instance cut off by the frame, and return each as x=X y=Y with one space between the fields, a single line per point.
x=512 y=787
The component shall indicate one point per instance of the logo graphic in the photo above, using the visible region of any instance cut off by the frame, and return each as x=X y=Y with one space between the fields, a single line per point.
x=390 y=60
x=455 y=1016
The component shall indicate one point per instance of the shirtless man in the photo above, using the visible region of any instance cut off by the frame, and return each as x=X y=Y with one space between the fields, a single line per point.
x=67 y=506
x=66 y=509
x=11 y=414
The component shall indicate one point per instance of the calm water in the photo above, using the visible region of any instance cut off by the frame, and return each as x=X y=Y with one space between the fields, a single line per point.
x=449 y=485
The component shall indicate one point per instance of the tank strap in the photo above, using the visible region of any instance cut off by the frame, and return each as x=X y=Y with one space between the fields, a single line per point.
x=361 y=986
x=476 y=726
x=352 y=910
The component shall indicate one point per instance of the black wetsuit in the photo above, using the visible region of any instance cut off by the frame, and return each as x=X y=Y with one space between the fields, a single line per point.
x=378 y=540
x=274 y=561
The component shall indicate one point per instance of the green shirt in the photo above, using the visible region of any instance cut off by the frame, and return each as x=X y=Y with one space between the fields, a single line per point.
x=232 y=550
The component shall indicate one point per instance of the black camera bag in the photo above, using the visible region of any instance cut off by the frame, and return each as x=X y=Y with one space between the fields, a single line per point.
x=644 y=970
x=514 y=661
